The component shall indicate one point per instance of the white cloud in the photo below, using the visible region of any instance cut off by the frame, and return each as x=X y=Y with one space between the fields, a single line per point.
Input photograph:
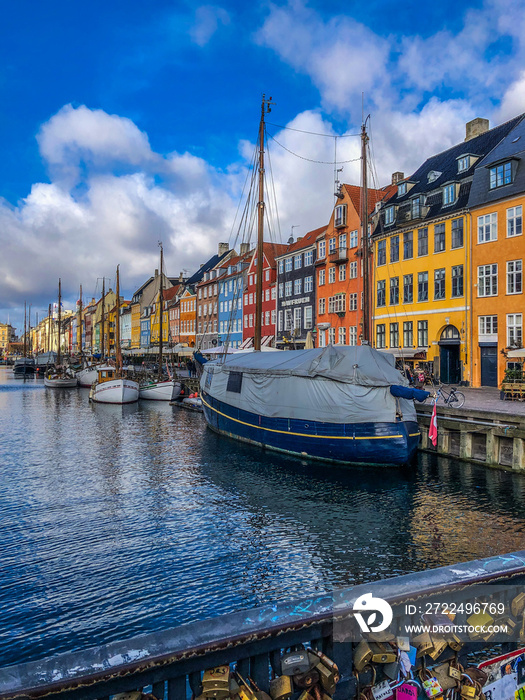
x=208 y=18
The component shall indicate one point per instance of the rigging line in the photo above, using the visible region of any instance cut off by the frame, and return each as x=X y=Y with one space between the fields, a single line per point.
x=311 y=160
x=313 y=133
x=272 y=181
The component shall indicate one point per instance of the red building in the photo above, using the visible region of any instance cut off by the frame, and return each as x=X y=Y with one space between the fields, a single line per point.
x=269 y=303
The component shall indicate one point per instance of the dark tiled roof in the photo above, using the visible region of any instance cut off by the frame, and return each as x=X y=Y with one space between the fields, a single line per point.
x=209 y=265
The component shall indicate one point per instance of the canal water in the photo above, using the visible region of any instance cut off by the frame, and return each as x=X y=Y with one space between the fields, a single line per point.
x=117 y=521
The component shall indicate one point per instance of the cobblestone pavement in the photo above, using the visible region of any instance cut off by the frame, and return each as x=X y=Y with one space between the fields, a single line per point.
x=488 y=399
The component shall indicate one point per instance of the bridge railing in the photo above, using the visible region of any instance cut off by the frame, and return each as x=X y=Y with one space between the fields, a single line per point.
x=170 y=663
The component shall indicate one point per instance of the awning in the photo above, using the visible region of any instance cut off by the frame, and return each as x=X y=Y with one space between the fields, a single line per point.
x=266 y=341
x=404 y=353
x=520 y=352
x=248 y=343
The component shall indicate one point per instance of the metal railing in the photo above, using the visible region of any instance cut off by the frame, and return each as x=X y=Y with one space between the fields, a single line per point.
x=172 y=661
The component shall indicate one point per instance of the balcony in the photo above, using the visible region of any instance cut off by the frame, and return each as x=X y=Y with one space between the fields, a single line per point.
x=339 y=255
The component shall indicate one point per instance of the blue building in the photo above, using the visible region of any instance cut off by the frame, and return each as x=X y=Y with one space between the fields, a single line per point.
x=145 y=327
x=230 y=298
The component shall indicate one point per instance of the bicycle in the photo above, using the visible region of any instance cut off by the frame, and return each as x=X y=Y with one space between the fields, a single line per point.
x=452 y=398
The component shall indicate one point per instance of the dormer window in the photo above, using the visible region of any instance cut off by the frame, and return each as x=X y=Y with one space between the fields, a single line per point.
x=340 y=215
x=449 y=194
x=389 y=215
x=401 y=189
x=434 y=175
x=416 y=207
x=501 y=175
x=463 y=164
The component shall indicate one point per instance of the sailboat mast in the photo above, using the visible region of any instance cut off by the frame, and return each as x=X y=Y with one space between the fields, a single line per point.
x=80 y=321
x=59 y=355
x=160 y=311
x=265 y=107
x=102 y=345
x=29 y=331
x=25 y=329
x=118 y=351
x=364 y=239
x=48 y=331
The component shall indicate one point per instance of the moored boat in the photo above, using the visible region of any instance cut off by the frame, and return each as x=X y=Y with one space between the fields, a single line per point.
x=60 y=380
x=24 y=365
x=167 y=390
x=62 y=377
x=89 y=374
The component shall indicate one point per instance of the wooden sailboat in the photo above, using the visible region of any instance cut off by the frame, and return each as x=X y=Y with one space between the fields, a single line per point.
x=111 y=386
x=160 y=389
x=24 y=365
x=89 y=374
x=342 y=404
x=62 y=377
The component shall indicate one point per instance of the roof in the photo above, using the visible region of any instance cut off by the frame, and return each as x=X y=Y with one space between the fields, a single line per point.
x=271 y=251
x=374 y=196
x=209 y=265
x=304 y=242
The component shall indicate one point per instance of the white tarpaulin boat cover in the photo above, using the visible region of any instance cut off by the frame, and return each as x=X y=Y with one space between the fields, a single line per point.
x=338 y=384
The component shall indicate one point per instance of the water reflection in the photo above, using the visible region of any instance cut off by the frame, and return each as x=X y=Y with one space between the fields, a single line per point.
x=122 y=520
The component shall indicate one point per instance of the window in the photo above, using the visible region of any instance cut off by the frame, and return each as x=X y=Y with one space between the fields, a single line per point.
x=340 y=215
x=288 y=265
x=501 y=175
x=298 y=261
x=321 y=277
x=408 y=289
x=422 y=334
x=337 y=304
x=354 y=239
x=297 y=286
x=422 y=286
x=331 y=274
x=408 y=334
x=288 y=289
x=281 y=267
x=449 y=194
x=514 y=221
x=288 y=319
x=416 y=207
x=342 y=242
x=322 y=307
x=234 y=382
x=332 y=245
x=308 y=317
x=322 y=249
x=488 y=280
x=389 y=215
x=514 y=330
x=394 y=249
x=401 y=189
x=463 y=164
x=309 y=258
x=457 y=233
x=353 y=302
x=488 y=228
x=331 y=336
x=488 y=325
x=381 y=252
x=267 y=295
x=267 y=275
x=394 y=290
x=380 y=335
x=251 y=296
x=457 y=281
x=439 y=283
x=342 y=273
x=281 y=290
x=422 y=242
x=352 y=335
x=514 y=277
x=280 y=327
x=408 y=245
x=381 y=293
x=394 y=335
x=272 y=294
x=308 y=284
x=297 y=319
x=273 y=316
x=353 y=269
x=342 y=335
x=439 y=238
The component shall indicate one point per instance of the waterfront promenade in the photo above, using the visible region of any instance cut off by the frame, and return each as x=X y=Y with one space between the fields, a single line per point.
x=487 y=399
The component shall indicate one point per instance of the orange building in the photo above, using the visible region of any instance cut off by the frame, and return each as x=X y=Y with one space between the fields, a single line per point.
x=188 y=317
x=339 y=273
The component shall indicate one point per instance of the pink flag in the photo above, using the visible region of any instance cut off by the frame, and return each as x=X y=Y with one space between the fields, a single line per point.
x=433 y=428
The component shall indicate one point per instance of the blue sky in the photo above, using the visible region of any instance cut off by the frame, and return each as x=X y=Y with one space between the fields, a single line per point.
x=125 y=122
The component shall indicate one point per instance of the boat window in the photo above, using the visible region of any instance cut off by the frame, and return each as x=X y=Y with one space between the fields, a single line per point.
x=234 y=382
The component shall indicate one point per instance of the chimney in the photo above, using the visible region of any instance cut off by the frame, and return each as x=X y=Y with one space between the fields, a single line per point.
x=476 y=127
x=223 y=248
x=156 y=273
x=181 y=277
x=245 y=249
x=397 y=177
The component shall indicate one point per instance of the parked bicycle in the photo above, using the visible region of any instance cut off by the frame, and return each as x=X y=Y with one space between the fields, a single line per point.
x=452 y=398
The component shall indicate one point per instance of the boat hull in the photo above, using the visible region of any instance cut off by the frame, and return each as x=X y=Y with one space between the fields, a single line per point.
x=24 y=366
x=88 y=375
x=117 y=391
x=388 y=444
x=160 y=391
x=60 y=382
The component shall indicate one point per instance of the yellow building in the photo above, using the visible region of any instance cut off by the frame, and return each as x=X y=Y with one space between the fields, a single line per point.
x=7 y=335
x=421 y=247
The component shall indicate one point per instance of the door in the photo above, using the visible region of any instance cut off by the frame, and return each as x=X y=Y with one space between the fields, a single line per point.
x=449 y=364
x=489 y=366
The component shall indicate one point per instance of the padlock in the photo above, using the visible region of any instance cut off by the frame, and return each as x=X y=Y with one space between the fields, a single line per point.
x=403 y=643
x=479 y=622
x=306 y=695
x=392 y=670
x=454 y=641
x=445 y=679
x=522 y=631
x=406 y=691
x=294 y=662
x=317 y=657
x=382 y=691
x=469 y=689
x=455 y=669
x=517 y=605
x=423 y=644
x=362 y=655
x=328 y=678
x=382 y=653
x=432 y=687
x=281 y=688
x=245 y=692
x=439 y=646
x=216 y=682
x=306 y=680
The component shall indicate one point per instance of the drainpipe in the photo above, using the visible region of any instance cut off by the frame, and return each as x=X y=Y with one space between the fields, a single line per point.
x=470 y=304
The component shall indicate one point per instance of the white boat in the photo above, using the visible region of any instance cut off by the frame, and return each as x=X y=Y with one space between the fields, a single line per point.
x=89 y=374
x=167 y=390
x=60 y=381
x=109 y=388
x=61 y=377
